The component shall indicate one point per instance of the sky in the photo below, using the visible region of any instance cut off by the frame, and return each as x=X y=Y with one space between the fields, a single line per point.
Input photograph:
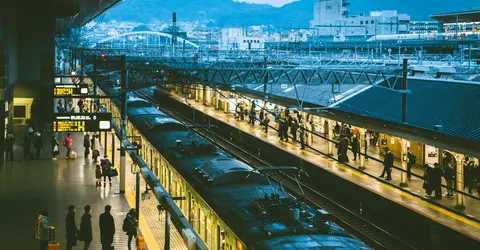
x=276 y=3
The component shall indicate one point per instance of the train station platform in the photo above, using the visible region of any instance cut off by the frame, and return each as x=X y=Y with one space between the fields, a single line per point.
x=27 y=186
x=413 y=197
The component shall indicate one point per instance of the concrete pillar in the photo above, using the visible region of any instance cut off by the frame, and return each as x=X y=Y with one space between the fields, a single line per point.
x=206 y=95
x=363 y=145
x=330 y=136
x=460 y=185
x=403 y=160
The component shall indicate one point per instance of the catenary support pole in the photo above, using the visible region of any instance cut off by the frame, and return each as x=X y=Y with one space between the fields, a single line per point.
x=167 y=230
x=113 y=148
x=330 y=137
x=404 y=88
x=403 y=160
x=137 y=194
x=363 y=145
x=123 y=160
x=105 y=146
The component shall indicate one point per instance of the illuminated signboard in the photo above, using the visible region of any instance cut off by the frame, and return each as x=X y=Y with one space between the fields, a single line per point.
x=82 y=122
x=70 y=89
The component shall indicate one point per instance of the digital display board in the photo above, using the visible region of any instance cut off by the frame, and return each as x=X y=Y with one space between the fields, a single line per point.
x=82 y=122
x=70 y=89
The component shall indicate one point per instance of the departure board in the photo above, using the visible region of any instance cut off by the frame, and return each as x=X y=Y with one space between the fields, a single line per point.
x=82 y=122
x=70 y=90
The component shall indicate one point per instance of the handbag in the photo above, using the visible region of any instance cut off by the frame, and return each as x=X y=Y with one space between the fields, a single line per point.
x=114 y=172
x=35 y=233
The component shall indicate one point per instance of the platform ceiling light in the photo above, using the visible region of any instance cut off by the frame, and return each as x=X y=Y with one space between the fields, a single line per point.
x=392 y=140
x=74 y=73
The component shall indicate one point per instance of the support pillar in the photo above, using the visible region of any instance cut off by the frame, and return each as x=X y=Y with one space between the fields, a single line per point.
x=3 y=84
x=113 y=148
x=204 y=94
x=363 y=146
x=459 y=181
x=330 y=137
x=123 y=160
x=167 y=231
x=403 y=160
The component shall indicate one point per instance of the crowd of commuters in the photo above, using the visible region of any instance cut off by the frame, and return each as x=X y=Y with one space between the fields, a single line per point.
x=292 y=125
x=45 y=232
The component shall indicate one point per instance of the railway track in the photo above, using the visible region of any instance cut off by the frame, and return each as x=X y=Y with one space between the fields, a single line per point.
x=354 y=223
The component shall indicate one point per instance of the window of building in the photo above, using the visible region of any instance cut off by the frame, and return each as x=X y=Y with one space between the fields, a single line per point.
x=244 y=41
x=366 y=22
x=361 y=22
x=372 y=22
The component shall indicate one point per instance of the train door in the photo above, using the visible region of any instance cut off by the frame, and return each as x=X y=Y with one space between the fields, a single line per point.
x=221 y=243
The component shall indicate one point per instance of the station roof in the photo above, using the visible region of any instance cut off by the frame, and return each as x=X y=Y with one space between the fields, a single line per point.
x=452 y=105
x=463 y=16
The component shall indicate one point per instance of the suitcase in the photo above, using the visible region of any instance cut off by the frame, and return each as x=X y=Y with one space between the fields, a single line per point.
x=53 y=246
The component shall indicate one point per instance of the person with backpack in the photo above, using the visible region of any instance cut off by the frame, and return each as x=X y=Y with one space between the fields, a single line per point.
x=68 y=142
x=42 y=231
x=411 y=159
x=106 y=171
x=130 y=224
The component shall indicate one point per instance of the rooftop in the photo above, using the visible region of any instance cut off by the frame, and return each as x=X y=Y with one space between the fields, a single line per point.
x=463 y=16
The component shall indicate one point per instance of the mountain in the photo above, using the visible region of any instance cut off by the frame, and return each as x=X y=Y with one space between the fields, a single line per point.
x=295 y=14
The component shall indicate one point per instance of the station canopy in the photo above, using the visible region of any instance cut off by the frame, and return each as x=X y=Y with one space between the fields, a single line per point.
x=463 y=17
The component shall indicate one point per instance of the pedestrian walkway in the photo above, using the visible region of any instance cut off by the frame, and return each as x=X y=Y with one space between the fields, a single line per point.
x=426 y=207
x=27 y=186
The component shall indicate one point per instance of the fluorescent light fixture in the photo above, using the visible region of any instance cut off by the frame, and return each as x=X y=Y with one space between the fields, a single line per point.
x=58 y=80
x=84 y=90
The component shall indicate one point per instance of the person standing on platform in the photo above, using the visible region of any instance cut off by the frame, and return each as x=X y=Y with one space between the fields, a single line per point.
x=252 y=117
x=68 y=142
x=27 y=154
x=55 y=148
x=106 y=171
x=71 y=228
x=302 y=136
x=86 y=145
x=427 y=175
x=130 y=225
x=42 y=232
x=266 y=122
x=355 y=147
x=285 y=129
x=294 y=128
x=95 y=147
x=411 y=159
x=449 y=174
x=85 y=234
x=308 y=133
x=98 y=175
x=387 y=164
x=107 y=228
x=468 y=174
x=31 y=134
x=287 y=112
x=261 y=116
x=436 y=181
x=38 y=145
x=9 y=141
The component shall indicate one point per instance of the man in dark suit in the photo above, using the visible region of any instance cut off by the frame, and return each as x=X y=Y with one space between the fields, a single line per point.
x=107 y=228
